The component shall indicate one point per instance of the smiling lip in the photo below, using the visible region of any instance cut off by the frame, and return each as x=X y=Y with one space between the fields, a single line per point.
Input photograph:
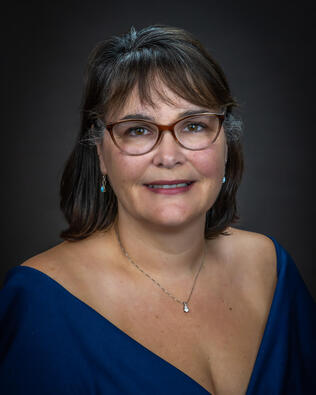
x=169 y=187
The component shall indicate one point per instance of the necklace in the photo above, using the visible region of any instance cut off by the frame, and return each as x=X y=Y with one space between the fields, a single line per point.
x=185 y=303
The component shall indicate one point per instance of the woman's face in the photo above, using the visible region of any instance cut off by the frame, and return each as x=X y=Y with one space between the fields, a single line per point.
x=130 y=176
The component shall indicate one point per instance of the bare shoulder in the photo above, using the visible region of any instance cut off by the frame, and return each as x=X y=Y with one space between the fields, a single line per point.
x=60 y=257
x=70 y=262
x=254 y=258
x=253 y=244
x=51 y=262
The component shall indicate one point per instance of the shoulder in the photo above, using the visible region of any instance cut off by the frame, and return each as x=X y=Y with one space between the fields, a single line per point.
x=60 y=257
x=27 y=300
x=29 y=294
x=254 y=245
x=52 y=262
x=245 y=246
x=253 y=260
x=23 y=288
x=74 y=264
x=34 y=334
x=255 y=251
x=70 y=264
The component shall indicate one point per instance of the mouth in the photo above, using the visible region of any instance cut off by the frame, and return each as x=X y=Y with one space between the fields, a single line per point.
x=170 y=186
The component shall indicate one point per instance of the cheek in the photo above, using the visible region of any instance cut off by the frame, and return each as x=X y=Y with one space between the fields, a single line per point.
x=209 y=163
x=122 y=168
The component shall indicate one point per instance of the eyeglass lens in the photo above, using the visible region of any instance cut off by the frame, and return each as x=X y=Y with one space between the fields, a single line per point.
x=137 y=136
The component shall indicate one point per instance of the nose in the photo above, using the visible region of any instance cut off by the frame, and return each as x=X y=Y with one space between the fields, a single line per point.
x=168 y=152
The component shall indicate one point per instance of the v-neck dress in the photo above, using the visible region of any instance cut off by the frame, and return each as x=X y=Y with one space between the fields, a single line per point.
x=53 y=343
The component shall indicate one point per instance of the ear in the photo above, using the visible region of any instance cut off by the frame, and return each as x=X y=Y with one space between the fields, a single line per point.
x=101 y=158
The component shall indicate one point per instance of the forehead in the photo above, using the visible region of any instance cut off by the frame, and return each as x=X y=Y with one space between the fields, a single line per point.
x=163 y=101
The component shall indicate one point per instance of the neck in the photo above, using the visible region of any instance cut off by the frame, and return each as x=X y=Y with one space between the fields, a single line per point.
x=163 y=251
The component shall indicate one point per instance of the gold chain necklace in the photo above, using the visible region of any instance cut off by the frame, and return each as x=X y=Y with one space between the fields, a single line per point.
x=184 y=303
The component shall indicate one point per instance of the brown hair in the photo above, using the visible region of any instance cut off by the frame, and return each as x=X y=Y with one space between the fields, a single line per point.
x=115 y=67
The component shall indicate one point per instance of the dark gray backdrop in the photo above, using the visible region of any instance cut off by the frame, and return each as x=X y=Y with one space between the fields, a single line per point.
x=266 y=50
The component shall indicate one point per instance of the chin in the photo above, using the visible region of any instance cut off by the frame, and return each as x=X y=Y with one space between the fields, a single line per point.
x=172 y=217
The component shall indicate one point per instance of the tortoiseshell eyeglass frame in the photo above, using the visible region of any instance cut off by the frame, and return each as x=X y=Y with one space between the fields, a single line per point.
x=163 y=128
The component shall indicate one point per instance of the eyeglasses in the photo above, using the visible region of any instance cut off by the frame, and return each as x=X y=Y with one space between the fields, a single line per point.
x=193 y=132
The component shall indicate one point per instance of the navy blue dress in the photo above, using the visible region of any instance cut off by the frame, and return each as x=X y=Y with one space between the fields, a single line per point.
x=52 y=343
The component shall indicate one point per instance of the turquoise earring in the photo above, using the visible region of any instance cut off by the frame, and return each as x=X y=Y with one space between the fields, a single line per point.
x=224 y=179
x=103 y=184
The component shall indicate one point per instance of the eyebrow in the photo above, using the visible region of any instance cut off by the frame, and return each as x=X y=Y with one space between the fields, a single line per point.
x=180 y=115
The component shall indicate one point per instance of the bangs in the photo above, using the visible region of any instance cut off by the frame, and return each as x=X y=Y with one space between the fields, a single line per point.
x=148 y=70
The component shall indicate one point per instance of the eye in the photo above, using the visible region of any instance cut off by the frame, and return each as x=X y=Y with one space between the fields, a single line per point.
x=137 y=131
x=194 y=127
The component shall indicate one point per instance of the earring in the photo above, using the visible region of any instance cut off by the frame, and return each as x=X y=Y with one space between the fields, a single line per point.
x=224 y=179
x=103 y=184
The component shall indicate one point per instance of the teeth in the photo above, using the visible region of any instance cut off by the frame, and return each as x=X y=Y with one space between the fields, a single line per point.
x=169 y=186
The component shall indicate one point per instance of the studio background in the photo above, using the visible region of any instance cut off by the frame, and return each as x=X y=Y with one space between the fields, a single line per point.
x=266 y=51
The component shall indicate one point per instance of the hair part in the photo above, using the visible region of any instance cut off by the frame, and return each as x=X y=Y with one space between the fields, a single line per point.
x=144 y=60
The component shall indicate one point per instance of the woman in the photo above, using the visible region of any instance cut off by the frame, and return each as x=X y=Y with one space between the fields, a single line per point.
x=152 y=290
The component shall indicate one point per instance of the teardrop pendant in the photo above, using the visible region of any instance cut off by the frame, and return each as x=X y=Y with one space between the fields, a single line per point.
x=103 y=184
x=185 y=307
